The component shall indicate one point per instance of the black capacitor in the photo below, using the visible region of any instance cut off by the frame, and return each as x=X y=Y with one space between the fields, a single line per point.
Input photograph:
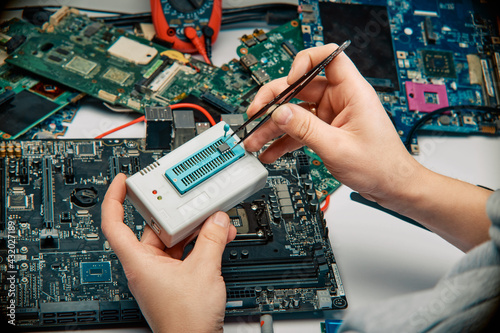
x=24 y=176
x=311 y=194
x=277 y=217
x=233 y=254
x=124 y=168
x=308 y=184
x=313 y=205
x=244 y=253
x=69 y=175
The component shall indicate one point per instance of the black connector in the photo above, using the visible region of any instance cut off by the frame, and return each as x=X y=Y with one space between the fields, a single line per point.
x=159 y=127
x=36 y=15
x=208 y=34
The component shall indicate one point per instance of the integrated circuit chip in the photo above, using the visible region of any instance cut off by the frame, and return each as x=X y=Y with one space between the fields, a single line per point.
x=86 y=149
x=54 y=58
x=95 y=272
x=115 y=75
x=92 y=29
x=62 y=51
x=438 y=63
x=81 y=65
x=19 y=201
x=48 y=90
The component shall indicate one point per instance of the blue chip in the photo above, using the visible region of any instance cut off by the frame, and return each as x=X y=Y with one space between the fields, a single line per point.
x=95 y=272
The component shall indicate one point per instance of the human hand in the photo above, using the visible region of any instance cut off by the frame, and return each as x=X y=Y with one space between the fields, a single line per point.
x=351 y=131
x=174 y=295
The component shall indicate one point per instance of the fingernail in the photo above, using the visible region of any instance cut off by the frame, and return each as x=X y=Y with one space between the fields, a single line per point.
x=221 y=220
x=282 y=115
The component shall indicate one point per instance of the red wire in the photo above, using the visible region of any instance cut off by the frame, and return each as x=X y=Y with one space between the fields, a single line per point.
x=190 y=33
x=194 y=106
x=138 y=120
x=327 y=203
x=173 y=107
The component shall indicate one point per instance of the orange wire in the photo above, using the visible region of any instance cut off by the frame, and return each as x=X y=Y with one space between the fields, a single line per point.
x=191 y=33
x=197 y=107
x=173 y=107
x=120 y=127
x=327 y=203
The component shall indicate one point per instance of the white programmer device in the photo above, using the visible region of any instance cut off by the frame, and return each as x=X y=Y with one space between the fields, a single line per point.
x=210 y=172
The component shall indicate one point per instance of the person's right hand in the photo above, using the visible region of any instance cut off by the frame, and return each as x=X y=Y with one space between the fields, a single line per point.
x=352 y=132
x=356 y=140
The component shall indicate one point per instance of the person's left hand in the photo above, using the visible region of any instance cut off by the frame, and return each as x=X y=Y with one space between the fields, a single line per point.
x=174 y=295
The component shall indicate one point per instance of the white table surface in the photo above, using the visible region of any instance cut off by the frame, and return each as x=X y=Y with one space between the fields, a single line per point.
x=379 y=256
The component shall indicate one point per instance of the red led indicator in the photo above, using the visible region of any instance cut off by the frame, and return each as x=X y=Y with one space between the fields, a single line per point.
x=154 y=191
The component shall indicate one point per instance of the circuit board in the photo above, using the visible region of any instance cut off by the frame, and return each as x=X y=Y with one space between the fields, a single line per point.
x=66 y=274
x=225 y=90
x=52 y=127
x=25 y=99
x=268 y=56
x=420 y=56
x=95 y=58
x=324 y=182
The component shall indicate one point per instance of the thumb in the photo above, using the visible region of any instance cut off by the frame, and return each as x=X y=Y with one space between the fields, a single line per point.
x=306 y=128
x=212 y=240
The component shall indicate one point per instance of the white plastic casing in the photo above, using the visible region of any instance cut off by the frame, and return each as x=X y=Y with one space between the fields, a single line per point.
x=174 y=216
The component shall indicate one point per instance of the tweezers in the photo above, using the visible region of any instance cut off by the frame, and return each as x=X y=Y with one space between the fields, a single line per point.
x=286 y=95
